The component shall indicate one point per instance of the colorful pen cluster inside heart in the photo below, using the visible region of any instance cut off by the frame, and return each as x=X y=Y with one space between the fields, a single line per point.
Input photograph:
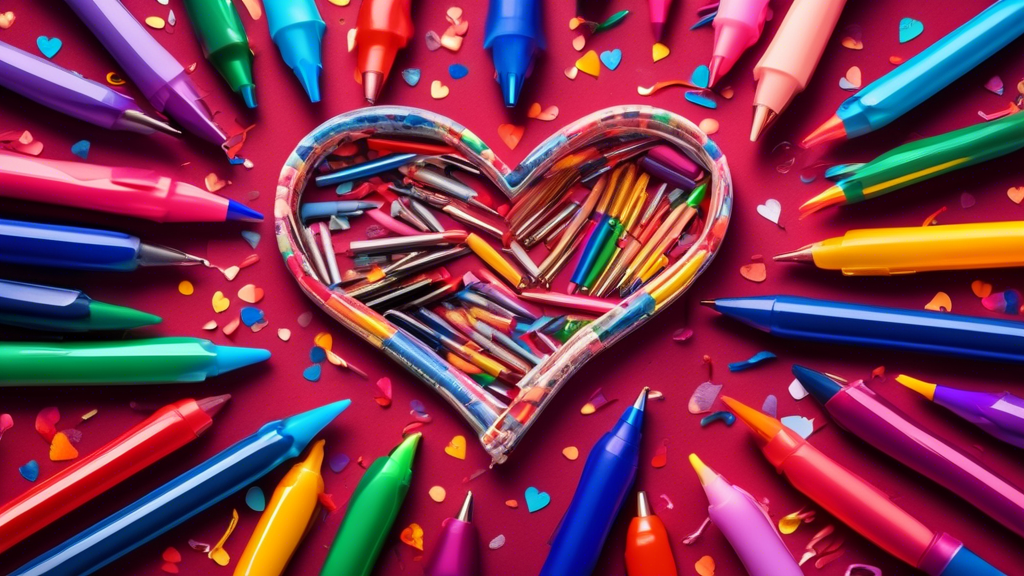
x=492 y=284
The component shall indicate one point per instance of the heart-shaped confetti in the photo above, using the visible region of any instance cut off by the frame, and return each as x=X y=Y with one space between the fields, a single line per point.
x=611 y=58
x=771 y=210
x=451 y=39
x=250 y=293
x=852 y=43
x=30 y=471
x=659 y=51
x=255 y=499
x=456 y=447
x=910 y=29
x=413 y=536
x=171 y=555
x=571 y=452
x=437 y=494
x=995 y=85
x=433 y=41
x=220 y=302
x=6 y=20
x=579 y=42
x=705 y=566
x=755 y=272
x=438 y=90
x=536 y=500
x=1016 y=194
x=981 y=288
x=700 y=76
x=940 y=303
x=214 y=183
x=411 y=76
x=701 y=98
x=538 y=113
x=49 y=46
x=61 y=449
x=852 y=80
x=589 y=63
x=511 y=134
x=81 y=149
x=457 y=71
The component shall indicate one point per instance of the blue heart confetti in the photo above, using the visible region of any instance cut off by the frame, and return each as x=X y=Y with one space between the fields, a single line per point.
x=255 y=499
x=411 y=76
x=251 y=237
x=49 y=46
x=81 y=149
x=312 y=373
x=754 y=360
x=457 y=71
x=317 y=354
x=701 y=76
x=251 y=315
x=611 y=58
x=30 y=471
x=698 y=98
x=536 y=500
x=910 y=29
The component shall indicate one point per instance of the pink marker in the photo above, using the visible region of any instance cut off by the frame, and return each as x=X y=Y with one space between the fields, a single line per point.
x=790 y=60
x=659 y=14
x=738 y=25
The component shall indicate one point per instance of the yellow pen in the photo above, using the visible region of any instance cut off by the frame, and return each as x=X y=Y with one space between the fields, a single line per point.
x=286 y=519
x=889 y=251
x=495 y=260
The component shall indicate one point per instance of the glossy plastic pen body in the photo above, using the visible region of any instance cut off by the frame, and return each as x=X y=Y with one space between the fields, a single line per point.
x=738 y=25
x=298 y=30
x=1000 y=414
x=648 y=548
x=658 y=15
x=50 y=309
x=221 y=34
x=514 y=33
x=383 y=27
x=457 y=552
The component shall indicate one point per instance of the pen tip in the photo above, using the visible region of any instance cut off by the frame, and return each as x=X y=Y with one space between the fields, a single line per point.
x=830 y=197
x=214 y=404
x=643 y=506
x=240 y=212
x=708 y=303
x=308 y=74
x=372 y=84
x=641 y=400
x=466 y=512
x=511 y=85
x=765 y=426
x=714 y=68
x=832 y=129
x=704 y=472
x=923 y=388
x=248 y=92
x=805 y=254
x=764 y=117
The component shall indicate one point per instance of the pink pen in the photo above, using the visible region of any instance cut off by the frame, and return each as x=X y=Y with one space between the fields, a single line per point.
x=745 y=525
x=659 y=15
x=738 y=25
x=790 y=60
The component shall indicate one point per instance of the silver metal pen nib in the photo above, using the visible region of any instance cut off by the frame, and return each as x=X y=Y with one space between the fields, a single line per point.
x=152 y=255
x=138 y=122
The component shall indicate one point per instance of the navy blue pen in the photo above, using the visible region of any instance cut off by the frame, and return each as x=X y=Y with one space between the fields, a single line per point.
x=514 y=33
x=604 y=486
x=61 y=310
x=896 y=328
x=74 y=248
x=321 y=210
x=365 y=170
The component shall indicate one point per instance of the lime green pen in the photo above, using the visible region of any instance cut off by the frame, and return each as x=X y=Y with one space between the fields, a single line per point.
x=222 y=36
x=371 y=512
x=145 y=361
x=919 y=161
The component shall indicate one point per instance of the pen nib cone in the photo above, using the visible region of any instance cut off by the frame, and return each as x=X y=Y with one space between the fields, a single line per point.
x=373 y=82
x=704 y=472
x=230 y=358
x=405 y=452
x=831 y=197
x=765 y=426
x=805 y=254
x=716 y=65
x=832 y=129
x=641 y=400
x=466 y=512
x=923 y=388
x=214 y=404
x=764 y=117
x=303 y=427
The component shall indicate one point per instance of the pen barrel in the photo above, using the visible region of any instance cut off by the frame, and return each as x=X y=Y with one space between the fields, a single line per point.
x=522 y=18
x=457 y=552
x=382 y=28
x=648 y=548
x=1001 y=415
x=221 y=34
x=282 y=14
x=69 y=247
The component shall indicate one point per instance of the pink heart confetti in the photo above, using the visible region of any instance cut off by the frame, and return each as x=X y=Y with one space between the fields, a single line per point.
x=995 y=85
x=703 y=398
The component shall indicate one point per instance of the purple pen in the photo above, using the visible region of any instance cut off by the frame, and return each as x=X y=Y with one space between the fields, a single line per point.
x=62 y=90
x=1000 y=414
x=458 y=548
x=745 y=525
x=857 y=409
x=159 y=77
x=495 y=290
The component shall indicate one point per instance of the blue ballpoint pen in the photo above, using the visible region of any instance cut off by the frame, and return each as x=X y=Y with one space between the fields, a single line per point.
x=61 y=310
x=74 y=248
x=604 y=486
x=514 y=33
x=234 y=468
x=297 y=29
x=919 y=78
x=314 y=210
x=896 y=328
x=366 y=169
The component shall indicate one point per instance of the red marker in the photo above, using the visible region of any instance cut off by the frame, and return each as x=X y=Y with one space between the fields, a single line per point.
x=168 y=429
x=382 y=28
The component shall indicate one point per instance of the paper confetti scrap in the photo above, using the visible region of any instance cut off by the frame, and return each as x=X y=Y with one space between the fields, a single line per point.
x=1016 y=194
x=940 y=303
x=1008 y=302
x=30 y=471
x=251 y=237
x=338 y=462
x=693 y=536
x=703 y=398
x=682 y=335
x=171 y=555
x=727 y=417
x=46 y=422
x=967 y=200
x=6 y=20
x=412 y=535
x=61 y=449
x=537 y=112
x=536 y=500
x=456 y=447
x=571 y=453
x=981 y=288
x=255 y=499
x=457 y=71
x=700 y=76
x=611 y=58
x=155 y=22
x=910 y=29
x=214 y=182
x=511 y=134
x=512 y=504
x=709 y=126
x=185 y=288
x=589 y=63
x=411 y=76
x=49 y=46
x=312 y=373
x=6 y=423
x=802 y=426
x=499 y=541
x=437 y=494
x=660 y=455
x=438 y=90
x=81 y=149
x=995 y=85
x=250 y=293
x=702 y=98
x=304 y=319
x=218 y=554
x=790 y=522
x=659 y=51
x=284 y=334
x=210 y=326
x=251 y=315
x=755 y=271
x=852 y=80
x=771 y=210
x=754 y=360
x=382 y=395
x=705 y=566
x=770 y=405
x=797 y=390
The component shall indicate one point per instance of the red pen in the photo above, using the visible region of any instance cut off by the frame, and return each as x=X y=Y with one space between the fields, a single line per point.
x=382 y=29
x=168 y=429
x=408 y=146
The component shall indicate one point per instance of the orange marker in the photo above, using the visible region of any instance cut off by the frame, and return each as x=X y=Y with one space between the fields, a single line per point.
x=382 y=29
x=648 y=549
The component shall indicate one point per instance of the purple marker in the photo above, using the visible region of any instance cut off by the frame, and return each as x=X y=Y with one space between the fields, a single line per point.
x=48 y=84
x=857 y=409
x=745 y=525
x=458 y=548
x=675 y=160
x=159 y=77
x=1001 y=415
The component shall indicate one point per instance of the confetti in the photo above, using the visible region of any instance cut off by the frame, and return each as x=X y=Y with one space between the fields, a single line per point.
x=995 y=85
x=304 y=319
x=536 y=500
x=981 y=288
x=511 y=134
x=61 y=449
x=703 y=398
x=211 y=325
x=114 y=80
x=312 y=373
x=660 y=455
x=456 y=447
x=46 y=422
x=910 y=29
x=571 y=72
x=659 y=51
x=341 y=3
x=218 y=554
x=770 y=405
x=853 y=43
x=693 y=536
x=284 y=334
x=255 y=499
x=250 y=293
x=412 y=535
x=433 y=41
x=30 y=471
x=411 y=76
x=799 y=424
x=537 y=112
x=797 y=390
x=338 y=462
x=185 y=288
x=232 y=326
x=749 y=363
x=700 y=76
x=49 y=46
x=931 y=217
x=771 y=210
x=611 y=58
x=231 y=272
x=438 y=91
x=649 y=90
x=6 y=423
x=214 y=183
x=709 y=126
x=597 y=400
x=754 y=271
x=251 y=315
x=499 y=541
x=85 y=416
x=171 y=555
x=682 y=335
x=579 y=42
x=701 y=98
x=1016 y=194
x=1008 y=302
x=722 y=415
x=895 y=60
x=852 y=80
x=437 y=494
x=940 y=303
x=6 y=20
x=668 y=501
x=451 y=40
x=81 y=149
x=590 y=63
x=705 y=566
x=571 y=453
x=254 y=8
x=862 y=570
x=967 y=200
x=512 y=504
x=220 y=302
x=155 y=22
x=790 y=522
x=383 y=396
x=251 y=238
x=198 y=546
x=457 y=71
x=351 y=37
x=727 y=92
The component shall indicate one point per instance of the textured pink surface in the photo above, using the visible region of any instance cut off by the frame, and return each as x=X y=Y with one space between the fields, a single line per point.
x=277 y=388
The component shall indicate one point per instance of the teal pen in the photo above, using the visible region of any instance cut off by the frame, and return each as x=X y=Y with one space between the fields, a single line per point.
x=298 y=30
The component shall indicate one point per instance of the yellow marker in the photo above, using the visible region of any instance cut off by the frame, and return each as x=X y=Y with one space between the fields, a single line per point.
x=495 y=260
x=923 y=388
x=671 y=283
x=889 y=251
x=623 y=191
x=285 y=521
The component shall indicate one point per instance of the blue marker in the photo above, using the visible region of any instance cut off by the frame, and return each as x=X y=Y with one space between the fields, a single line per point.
x=515 y=34
x=297 y=29
x=61 y=310
x=604 y=486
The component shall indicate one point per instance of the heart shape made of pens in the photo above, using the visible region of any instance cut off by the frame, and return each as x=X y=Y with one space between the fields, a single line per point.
x=501 y=414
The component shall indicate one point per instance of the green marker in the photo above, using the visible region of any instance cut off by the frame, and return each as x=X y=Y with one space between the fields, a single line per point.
x=225 y=45
x=147 y=361
x=605 y=255
x=53 y=309
x=371 y=512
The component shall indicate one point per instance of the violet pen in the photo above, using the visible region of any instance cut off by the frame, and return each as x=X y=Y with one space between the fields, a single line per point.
x=458 y=547
x=1000 y=414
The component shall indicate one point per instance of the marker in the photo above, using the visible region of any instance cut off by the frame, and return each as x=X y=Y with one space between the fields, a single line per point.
x=858 y=504
x=514 y=33
x=745 y=524
x=371 y=512
x=891 y=251
x=286 y=518
x=917 y=79
x=149 y=441
x=52 y=309
x=153 y=70
x=602 y=228
x=495 y=260
x=604 y=486
x=135 y=192
x=659 y=16
x=738 y=25
x=648 y=548
x=232 y=469
x=1000 y=414
x=383 y=27
x=220 y=32
x=458 y=547
x=46 y=83
x=862 y=412
x=143 y=361
x=316 y=210
x=787 y=65
x=298 y=30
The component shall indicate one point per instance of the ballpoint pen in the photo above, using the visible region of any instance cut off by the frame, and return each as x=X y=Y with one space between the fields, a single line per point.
x=787 y=65
x=403 y=244
x=48 y=84
x=920 y=77
x=366 y=169
x=921 y=160
x=896 y=328
x=52 y=309
x=603 y=488
x=572 y=301
x=153 y=70
x=383 y=27
x=860 y=411
x=858 y=504
x=598 y=281
x=495 y=260
x=135 y=192
x=220 y=32
x=666 y=174
x=371 y=512
x=745 y=524
x=676 y=160
x=603 y=226
x=488 y=285
x=891 y=251
x=143 y=361
x=514 y=33
x=317 y=210
x=457 y=552
x=648 y=548
x=442 y=342
x=149 y=441
x=659 y=16
x=286 y=518
x=662 y=240
x=74 y=248
x=222 y=475
x=447 y=185
x=298 y=30
x=999 y=414
x=738 y=25
x=575 y=230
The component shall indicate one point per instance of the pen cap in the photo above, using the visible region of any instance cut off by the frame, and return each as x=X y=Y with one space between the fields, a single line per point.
x=515 y=18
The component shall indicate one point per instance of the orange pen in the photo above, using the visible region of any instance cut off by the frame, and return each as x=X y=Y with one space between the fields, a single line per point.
x=382 y=29
x=648 y=549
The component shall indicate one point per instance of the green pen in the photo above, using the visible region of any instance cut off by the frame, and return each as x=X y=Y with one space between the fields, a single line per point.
x=919 y=161
x=222 y=36
x=146 y=361
x=52 y=309
x=605 y=255
x=371 y=512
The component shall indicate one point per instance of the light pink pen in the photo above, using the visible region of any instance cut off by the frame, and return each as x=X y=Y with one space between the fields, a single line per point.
x=738 y=25
x=790 y=60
